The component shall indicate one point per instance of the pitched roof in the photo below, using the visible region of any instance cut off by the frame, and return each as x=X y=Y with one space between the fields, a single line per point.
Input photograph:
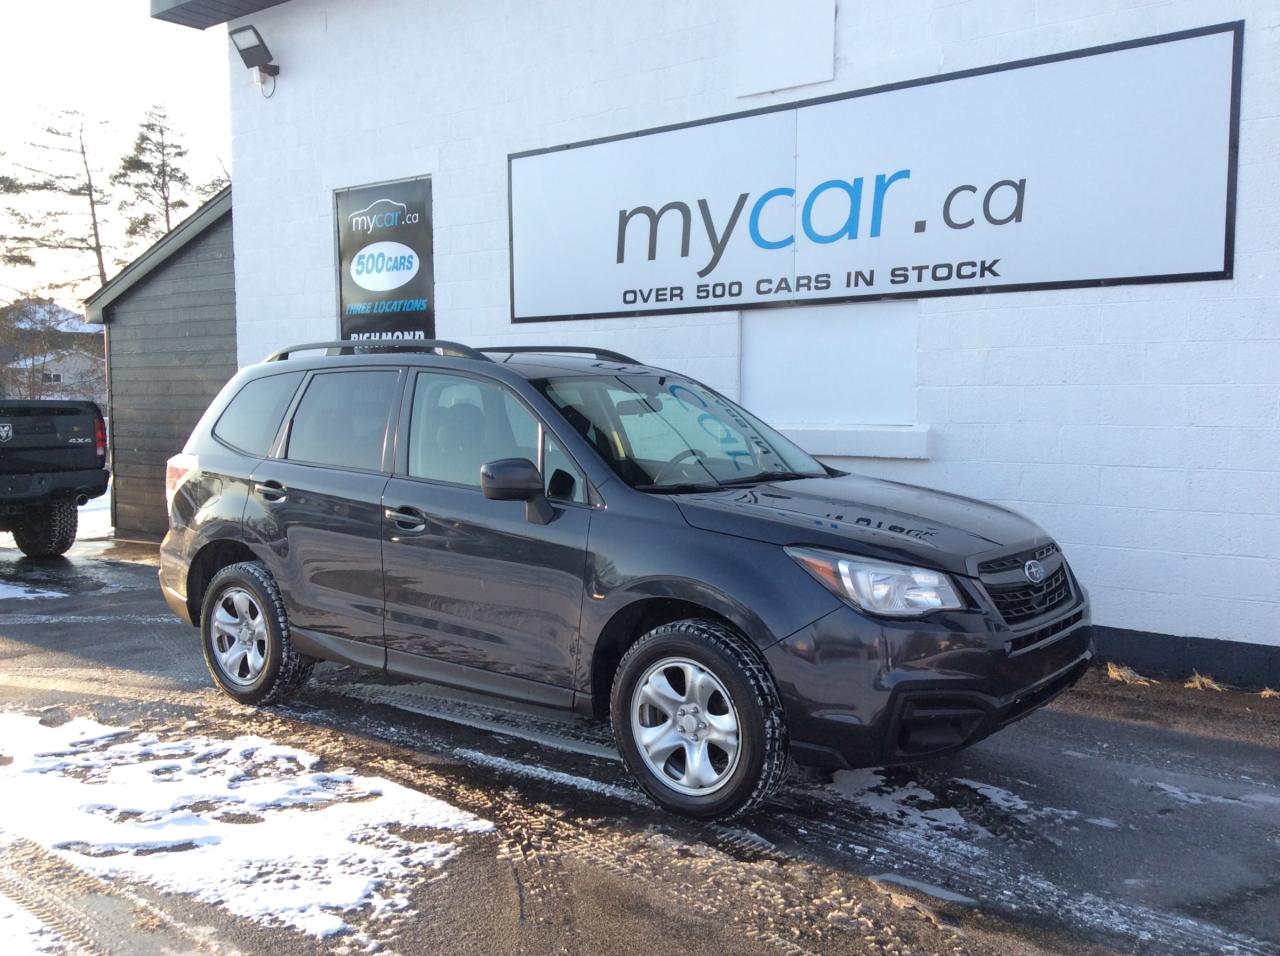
x=166 y=246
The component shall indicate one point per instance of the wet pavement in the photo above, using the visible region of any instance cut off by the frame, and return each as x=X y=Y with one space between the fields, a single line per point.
x=154 y=815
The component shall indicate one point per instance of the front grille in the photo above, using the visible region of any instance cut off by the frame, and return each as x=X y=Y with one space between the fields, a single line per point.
x=1037 y=637
x=996 y=565
x=1024 y=600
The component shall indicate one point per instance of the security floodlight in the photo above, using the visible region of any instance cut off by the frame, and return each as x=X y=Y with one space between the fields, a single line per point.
x=253 y=50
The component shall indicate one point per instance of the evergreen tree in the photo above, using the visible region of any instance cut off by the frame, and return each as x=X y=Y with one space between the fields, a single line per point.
x=153 y=179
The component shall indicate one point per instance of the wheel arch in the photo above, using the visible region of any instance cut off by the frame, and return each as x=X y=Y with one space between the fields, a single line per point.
x=650 y=607
x=208 y=561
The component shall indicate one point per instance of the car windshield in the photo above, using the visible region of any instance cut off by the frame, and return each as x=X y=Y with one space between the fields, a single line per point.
x=668 y=434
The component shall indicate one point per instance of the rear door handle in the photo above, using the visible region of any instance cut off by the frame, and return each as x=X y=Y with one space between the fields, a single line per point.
x=408 y=520
x=271 y=490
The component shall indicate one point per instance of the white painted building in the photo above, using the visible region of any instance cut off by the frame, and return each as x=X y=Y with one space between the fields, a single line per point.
x=1138 y=422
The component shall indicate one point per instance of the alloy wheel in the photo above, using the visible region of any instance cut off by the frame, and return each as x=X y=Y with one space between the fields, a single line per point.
x=685 y=726
x=239 y=636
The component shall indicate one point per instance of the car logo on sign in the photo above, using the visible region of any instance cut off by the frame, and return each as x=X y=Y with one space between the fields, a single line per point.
x=1034 y=571
x=6 y=431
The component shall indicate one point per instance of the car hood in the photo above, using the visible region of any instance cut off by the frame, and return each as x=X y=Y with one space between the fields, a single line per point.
x=882 y=519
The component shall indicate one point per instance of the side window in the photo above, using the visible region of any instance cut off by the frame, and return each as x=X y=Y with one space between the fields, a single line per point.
x=459 y=423
x=251 y=420
x=342 y=419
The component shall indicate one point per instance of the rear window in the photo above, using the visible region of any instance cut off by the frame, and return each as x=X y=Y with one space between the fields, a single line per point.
x=342 y=419
x=252 y=419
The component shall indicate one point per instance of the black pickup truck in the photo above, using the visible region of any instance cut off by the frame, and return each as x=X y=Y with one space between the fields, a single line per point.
x=53 y=457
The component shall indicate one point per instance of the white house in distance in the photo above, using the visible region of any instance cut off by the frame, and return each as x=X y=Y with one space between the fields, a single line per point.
x=1020 y=251
x=53 y=364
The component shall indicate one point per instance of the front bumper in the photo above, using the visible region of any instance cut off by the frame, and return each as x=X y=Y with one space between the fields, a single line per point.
x=862 y=692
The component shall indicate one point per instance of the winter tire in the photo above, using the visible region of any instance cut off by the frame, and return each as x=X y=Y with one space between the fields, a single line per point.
x=245 y=634
x=698 y=720
x=48 y=531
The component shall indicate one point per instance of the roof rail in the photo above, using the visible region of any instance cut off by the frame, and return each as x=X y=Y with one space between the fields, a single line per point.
x=382 y=345
x=569 y=349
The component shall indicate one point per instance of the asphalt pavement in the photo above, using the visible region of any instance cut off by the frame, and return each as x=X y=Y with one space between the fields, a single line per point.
x=147 y=814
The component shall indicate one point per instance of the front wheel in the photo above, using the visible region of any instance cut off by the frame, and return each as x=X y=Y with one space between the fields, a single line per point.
x=245 y=634
x=698 y=720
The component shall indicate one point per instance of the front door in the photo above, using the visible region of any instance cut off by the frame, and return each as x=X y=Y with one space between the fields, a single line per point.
x=471 y=584
x=318 y=507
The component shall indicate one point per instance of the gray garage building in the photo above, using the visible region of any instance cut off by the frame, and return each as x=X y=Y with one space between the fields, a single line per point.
x=170 y=319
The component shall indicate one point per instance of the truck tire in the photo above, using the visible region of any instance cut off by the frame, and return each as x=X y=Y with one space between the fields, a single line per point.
x=245 y=634
x=698 y=720
x=49 y=530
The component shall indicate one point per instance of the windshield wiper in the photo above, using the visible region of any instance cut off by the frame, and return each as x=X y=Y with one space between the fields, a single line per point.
x=683 y=488
x=766 y=476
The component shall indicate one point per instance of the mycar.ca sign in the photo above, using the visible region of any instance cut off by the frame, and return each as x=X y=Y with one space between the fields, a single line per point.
x=1102 y=166
x=385 y=274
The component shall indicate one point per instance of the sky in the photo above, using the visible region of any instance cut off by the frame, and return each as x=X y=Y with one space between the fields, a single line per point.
x=111 y=61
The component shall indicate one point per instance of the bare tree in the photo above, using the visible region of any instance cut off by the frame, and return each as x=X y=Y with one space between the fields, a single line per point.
x=56 y=206
x=210 y=188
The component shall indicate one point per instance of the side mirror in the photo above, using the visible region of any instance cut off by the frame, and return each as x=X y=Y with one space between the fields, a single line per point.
x=517 y=479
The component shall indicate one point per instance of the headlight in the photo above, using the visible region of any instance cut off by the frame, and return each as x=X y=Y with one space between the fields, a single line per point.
x=890 y=589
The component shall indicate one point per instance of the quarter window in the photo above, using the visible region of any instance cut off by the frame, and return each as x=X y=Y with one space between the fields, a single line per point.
x=250 y=422
x=564 y=482
x=342 y=419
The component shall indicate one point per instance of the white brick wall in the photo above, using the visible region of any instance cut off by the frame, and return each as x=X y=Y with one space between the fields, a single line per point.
x=1139 y=424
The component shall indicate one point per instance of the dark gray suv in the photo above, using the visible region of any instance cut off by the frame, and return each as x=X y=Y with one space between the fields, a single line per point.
x=575 y=528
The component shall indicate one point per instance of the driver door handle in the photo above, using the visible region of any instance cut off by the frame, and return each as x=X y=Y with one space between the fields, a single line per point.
x=408 y=520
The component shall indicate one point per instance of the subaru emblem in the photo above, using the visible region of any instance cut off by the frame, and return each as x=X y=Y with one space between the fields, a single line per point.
x=1034 y=571
x=6 y=431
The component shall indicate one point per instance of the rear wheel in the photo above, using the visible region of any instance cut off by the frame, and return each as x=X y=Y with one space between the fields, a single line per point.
x=698 y=720
x=49 y=530
x=245 y=634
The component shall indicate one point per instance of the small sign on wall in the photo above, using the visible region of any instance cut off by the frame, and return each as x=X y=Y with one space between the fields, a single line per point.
x=386 y=279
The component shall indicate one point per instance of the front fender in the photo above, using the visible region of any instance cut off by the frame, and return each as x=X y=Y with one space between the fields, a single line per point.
x=655 y=554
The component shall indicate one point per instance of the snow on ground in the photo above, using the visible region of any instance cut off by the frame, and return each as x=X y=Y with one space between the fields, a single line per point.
x=21 y=592
x=1003 y=799
x=1195 y=799
x=1014 y=805
x=95 y=518
x=904 y=805
x=24 y=933
x=258 y=828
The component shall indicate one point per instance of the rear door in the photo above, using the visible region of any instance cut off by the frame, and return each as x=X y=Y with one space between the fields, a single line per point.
x=472 y=584
x=317 y=505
